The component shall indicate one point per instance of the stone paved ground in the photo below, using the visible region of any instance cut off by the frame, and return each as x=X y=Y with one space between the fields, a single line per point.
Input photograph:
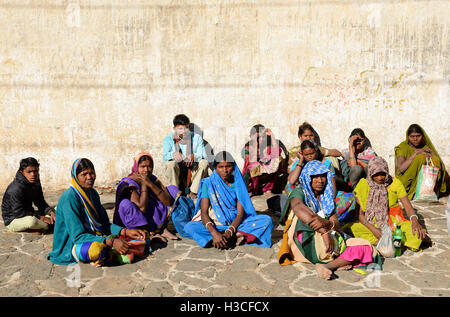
x=183 y=269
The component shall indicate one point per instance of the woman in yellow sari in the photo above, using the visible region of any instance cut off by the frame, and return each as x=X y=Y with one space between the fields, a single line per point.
x=378 y=196
x=411 y=154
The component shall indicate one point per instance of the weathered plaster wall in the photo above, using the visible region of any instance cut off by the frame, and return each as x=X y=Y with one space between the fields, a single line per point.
x=104 y=78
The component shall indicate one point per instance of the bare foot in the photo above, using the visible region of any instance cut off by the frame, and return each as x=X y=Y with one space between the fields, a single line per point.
x=157 y=236
x=268 y=194
x=239 y=239
x=166 y=233
x=95 y=264
x=323 y=271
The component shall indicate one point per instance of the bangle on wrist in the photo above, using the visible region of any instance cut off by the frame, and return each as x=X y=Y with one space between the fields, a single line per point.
x=231 y=232
x=209 y=222
x=332 y=226
x=413 y=216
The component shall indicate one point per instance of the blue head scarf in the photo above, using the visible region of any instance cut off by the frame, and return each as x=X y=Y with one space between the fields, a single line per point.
x=223 y=198
x=327 y=197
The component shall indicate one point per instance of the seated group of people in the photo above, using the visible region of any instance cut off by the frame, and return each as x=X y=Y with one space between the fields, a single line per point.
x=333 y=217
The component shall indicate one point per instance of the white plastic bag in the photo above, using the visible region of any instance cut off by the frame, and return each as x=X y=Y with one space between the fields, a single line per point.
x=386 y=244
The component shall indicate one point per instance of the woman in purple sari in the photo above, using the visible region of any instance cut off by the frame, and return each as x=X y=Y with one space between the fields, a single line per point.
x=143 y=202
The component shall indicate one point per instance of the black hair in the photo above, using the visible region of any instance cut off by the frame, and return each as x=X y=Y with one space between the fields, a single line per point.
x=359 y=132
x=303 y=127
x=181 y=119
x=307 y=126
x=308 y=144
x=145 y=158
x=84 y=165
x=257 y=128
x=223 y=156
x=27 y=162
x=414 y=128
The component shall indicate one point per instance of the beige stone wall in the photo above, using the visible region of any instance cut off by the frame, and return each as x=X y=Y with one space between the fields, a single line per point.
x=103 y=79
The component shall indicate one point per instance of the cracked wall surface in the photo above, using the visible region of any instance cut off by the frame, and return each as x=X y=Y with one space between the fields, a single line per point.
x=103 y=79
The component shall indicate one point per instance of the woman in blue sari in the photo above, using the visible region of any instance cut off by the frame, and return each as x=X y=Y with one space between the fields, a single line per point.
x=233 y=219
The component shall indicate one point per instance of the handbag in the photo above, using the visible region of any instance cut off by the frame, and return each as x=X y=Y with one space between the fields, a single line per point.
x=182 y=212
x=426 y=181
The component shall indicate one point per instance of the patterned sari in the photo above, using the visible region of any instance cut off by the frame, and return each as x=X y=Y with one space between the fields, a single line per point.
x=94 y=222
x=302 y=244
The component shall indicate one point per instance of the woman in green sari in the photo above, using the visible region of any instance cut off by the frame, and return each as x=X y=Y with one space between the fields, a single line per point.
x=312 y=231
x=411 y=154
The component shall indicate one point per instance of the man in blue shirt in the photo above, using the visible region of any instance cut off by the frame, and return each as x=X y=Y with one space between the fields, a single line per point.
x=184 y=153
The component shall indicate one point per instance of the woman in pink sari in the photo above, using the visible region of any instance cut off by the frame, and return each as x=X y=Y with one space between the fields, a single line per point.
x=262 y=155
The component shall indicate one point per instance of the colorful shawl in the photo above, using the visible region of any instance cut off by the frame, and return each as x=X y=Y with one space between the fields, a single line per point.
x=326 y=203
x=93 y=222
x=366 y=155
x=268 y=160
x=378 y=200
x=223 y=198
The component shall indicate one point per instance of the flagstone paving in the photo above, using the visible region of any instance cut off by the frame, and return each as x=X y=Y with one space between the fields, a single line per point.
x=183 y=269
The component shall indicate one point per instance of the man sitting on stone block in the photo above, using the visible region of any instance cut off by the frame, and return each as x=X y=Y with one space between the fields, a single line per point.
x=17 y=205
x=184 y=157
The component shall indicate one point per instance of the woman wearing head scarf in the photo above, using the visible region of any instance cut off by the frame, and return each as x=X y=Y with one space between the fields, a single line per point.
x=345 y=201
x=311 y=231
x=142 y=201
x=412 y=154
x=378 y=196
x=82 y=230
x=225 y=213
x=262 y=156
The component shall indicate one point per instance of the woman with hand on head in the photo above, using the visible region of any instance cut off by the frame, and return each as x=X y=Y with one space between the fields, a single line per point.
x=143 y=202
x=327 y=156
x=83 y=232
x=225 y=213
x=309 y=151
x=356 y=157
x=411 y=154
